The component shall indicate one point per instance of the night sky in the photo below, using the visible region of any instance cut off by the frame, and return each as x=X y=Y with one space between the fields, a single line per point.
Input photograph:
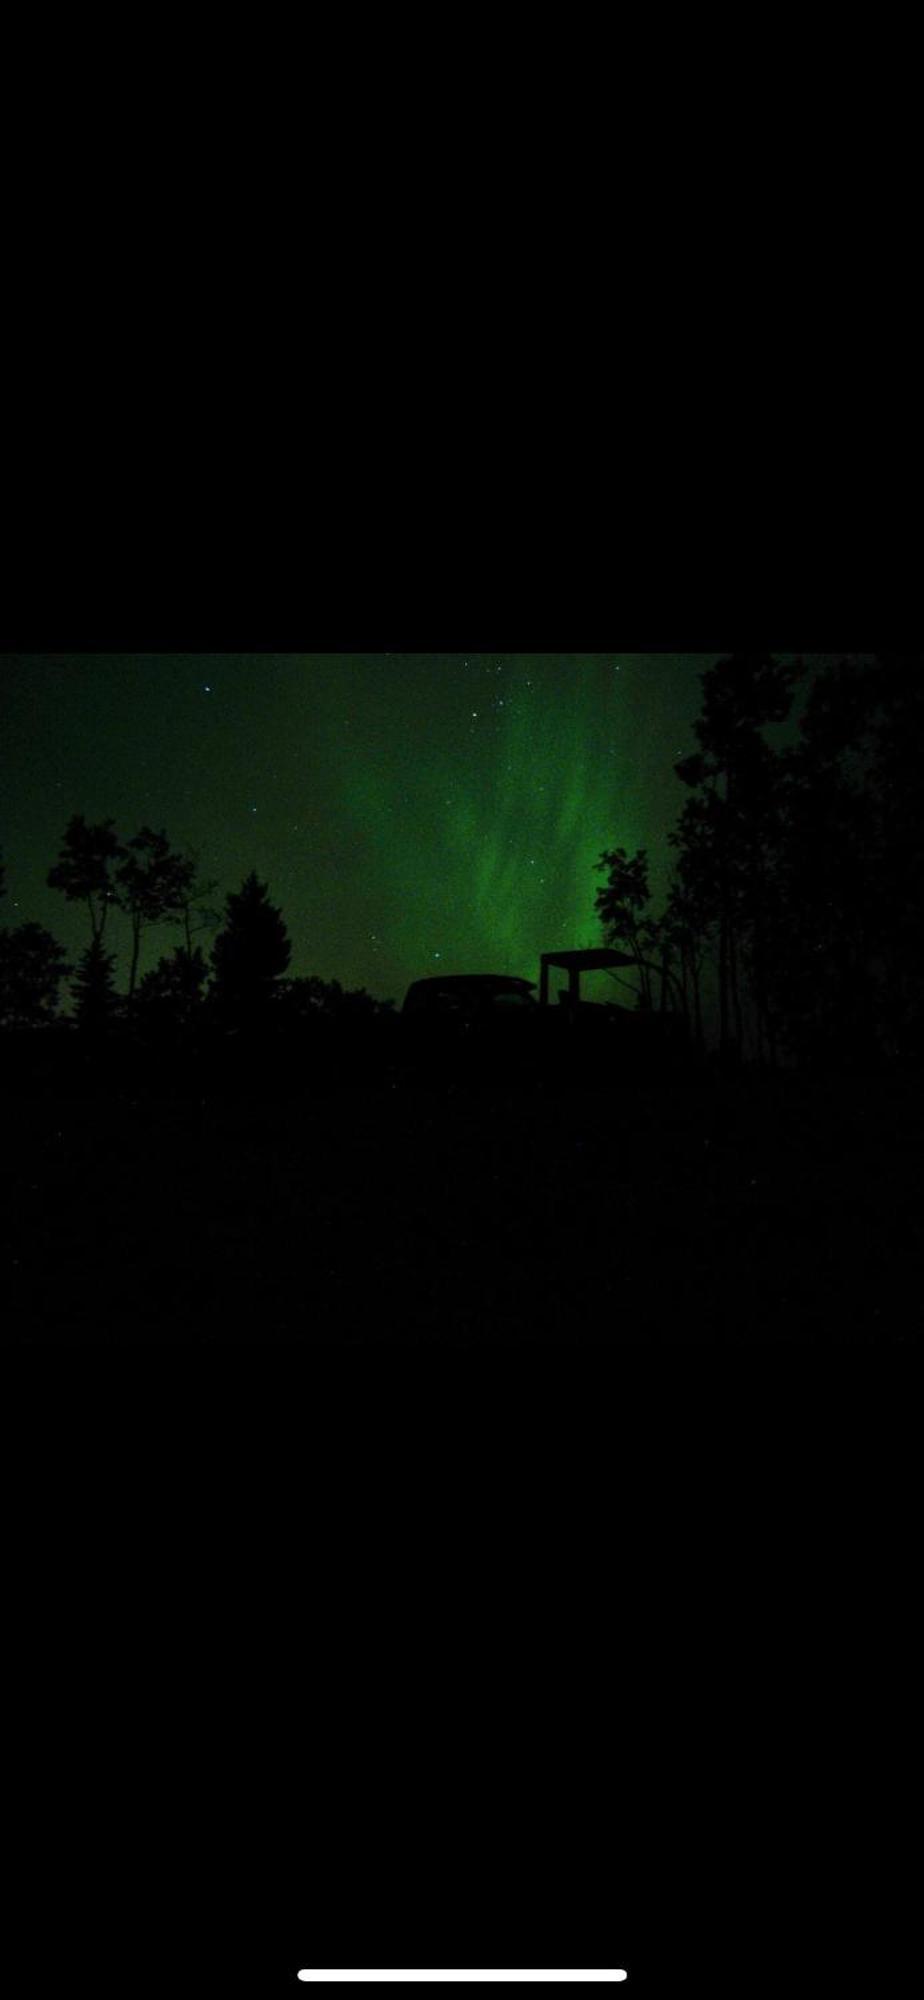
x=411 y=812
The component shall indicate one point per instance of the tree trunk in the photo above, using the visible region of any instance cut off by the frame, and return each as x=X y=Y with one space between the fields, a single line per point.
x=735 y=989
x=723 y=984
x=771 y=1039
x=136 y=949
x=685 y=985
x=663 y=1000
x=697 y=1003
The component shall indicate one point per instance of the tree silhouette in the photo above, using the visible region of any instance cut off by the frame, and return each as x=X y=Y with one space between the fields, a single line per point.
x=622 y=905
x=312 y=998
x=84 y=868
x=170 y=996
x=729 y=833
x=896 y=688
x=194 y=909
x=735 y=879
x=801 y=868
x=848 y=960
x=820 y=942
x=96 y=1004
x=153 y=883
x=684 y=928
x=32 y=966
x=250 y=954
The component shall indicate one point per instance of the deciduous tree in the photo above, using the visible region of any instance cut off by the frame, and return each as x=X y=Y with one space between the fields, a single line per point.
x=85 y=869
x=152 y=883
x=729 y=833
x=622 y=906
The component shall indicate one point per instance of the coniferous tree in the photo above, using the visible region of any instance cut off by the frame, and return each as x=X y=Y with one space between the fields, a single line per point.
x=170 y=996
x=32 y=966
x=96 y=1003
x=250 y=955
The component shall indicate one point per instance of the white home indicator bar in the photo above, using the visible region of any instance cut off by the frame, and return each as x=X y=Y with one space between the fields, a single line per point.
x=466 y=1978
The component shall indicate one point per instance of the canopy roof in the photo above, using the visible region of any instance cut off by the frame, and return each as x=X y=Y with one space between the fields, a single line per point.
x=586 y=961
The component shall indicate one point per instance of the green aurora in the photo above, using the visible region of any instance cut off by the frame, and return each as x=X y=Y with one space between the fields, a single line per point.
x=410 y=812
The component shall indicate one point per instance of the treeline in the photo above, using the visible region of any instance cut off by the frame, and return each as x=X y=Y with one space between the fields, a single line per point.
x=794 y=911
x=241 y=982
x=792 y=930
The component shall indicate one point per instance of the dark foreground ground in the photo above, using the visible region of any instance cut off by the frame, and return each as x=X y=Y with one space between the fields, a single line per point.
x=727 y=1211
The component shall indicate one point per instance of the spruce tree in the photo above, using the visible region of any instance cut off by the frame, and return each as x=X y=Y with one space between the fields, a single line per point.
x=250 y=955
x=96 y=1004
x=32 y=966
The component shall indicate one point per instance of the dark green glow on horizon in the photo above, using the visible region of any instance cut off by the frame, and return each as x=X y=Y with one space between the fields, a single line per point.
x=411 y=812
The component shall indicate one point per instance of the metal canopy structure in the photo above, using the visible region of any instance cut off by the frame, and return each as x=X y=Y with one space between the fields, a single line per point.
x=574 y=963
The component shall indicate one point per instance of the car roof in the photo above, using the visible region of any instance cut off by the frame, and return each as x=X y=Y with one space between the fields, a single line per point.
x=471 y=979
x=473 y=983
